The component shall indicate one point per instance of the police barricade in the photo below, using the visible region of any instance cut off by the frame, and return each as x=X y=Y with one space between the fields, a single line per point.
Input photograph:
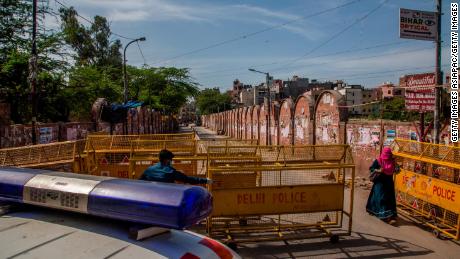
x=144 y=153
x=427 y=188
x=59 y=156
x=123 y=142
x=108 y=155
x=203 y=145
x=264 y=193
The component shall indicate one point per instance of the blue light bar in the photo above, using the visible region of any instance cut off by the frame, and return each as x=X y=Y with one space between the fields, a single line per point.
x=161 y=204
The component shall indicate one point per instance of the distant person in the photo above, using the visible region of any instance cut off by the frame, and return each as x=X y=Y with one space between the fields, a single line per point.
x=382 y=202
x=165 y=173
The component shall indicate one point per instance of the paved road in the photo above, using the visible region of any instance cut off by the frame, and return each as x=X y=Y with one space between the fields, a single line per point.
x=371 y=238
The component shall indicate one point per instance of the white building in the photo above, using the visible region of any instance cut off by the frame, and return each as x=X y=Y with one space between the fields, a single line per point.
x=353 y=96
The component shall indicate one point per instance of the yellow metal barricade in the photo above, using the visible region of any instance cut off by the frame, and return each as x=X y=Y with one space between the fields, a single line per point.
x=266 y=193
x=109 y=155
x=204 y=144
x=54 y=155
x=427 y=188
x=145 y=153
x=122 y=143
x=190 y=155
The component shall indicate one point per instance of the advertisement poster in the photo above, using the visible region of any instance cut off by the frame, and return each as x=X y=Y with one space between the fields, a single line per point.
x=413 y=136
x=46 y=135
x=375 y=135
x=390 y=136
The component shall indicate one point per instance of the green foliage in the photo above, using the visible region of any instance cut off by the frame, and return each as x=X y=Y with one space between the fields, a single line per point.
x=14 y=18
x=164 y=89
x=85 y=85
x=15 y=46
x=395 y=109
x=68 y=91
x=13 y=81
x=91 y=44
x=211 y=100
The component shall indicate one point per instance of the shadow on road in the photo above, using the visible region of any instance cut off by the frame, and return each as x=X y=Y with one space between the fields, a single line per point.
x=360 y=245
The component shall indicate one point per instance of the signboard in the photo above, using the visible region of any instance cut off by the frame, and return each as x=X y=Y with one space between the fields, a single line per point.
x=429 y=189
x=420 y=91
x=46 y=135
x=278 y=200
x=417 y=25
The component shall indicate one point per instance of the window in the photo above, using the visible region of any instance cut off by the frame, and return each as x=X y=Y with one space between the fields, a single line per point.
x=389 y=91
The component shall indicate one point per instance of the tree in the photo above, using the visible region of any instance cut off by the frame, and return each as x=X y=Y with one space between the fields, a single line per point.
x=165 y=88
x=211 y=100
x=85 y=85
x=98 y=63
x=15 y=34
x=67 y=90
x=395 y=109
x=91 y=45
x=14 y=18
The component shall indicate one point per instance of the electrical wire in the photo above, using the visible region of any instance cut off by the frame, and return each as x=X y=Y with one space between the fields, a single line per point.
x=251 y=34
x=360 y=58
x=325 y=55
x=91 y=22
x=142 y=54
x=335 y=35
x=328 y=40
x=341 y=61
x=381 y=72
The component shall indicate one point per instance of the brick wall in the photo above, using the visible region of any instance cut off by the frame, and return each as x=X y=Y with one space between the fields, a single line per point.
x=140 y=121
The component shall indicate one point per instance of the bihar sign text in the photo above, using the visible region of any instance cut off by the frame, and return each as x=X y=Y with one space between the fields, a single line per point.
x=417 y=25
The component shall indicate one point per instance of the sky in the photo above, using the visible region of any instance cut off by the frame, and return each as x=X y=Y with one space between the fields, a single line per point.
x=351 y=40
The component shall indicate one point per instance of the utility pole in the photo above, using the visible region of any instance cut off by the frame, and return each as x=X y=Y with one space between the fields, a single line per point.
x=125 y=83
x=267 y=79
x=33 y=72
x=125 y=77
x=438 y=86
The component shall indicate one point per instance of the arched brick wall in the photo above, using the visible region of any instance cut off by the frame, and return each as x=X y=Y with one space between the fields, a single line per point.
x=240 y=123
x=303 y=120
x=235 y=124
x=248 y=123
x=328 y=117
x=255 y=122
x=221 y=121
x=285 y=122
x=229 y=122
x=263 y=125
x=274 y=121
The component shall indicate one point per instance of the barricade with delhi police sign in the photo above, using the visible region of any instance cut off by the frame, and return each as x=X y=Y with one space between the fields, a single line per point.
x=264 y=193
x=428 y=186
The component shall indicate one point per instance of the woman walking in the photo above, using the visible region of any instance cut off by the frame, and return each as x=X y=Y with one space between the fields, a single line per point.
x=382 y=202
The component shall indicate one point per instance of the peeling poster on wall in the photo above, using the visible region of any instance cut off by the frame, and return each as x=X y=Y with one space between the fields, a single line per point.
x=46 y=135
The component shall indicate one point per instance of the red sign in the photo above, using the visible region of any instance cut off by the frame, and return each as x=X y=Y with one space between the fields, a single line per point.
x=125 y=160
x=103 y=161
x=420 y=91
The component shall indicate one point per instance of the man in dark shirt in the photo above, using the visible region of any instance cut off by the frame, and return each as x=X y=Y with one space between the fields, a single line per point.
x=164 y=172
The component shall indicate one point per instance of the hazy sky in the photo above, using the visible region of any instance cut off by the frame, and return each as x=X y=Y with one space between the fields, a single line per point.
x=284 y=38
